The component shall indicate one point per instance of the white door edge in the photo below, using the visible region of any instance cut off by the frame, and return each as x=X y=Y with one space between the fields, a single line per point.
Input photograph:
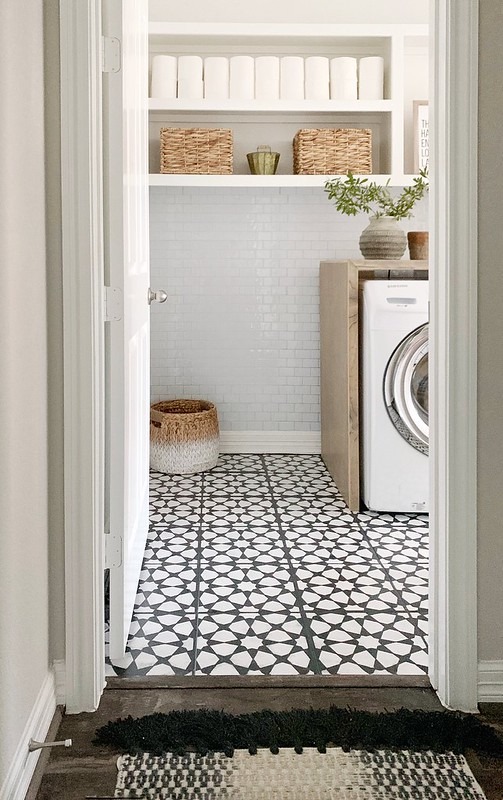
x=453 y=596
x=453 y=353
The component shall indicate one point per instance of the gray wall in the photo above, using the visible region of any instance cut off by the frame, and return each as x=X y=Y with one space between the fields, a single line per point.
x=490 y=342
x=54 y=330
x=24 y=538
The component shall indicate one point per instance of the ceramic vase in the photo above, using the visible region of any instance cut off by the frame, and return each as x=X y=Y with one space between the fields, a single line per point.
x=418 y=245
x=383 y=238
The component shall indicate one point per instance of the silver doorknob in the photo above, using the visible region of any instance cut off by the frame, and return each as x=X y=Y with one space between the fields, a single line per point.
x=160 y=296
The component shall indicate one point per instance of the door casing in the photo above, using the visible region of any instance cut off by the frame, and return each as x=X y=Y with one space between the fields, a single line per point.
x=453 y=351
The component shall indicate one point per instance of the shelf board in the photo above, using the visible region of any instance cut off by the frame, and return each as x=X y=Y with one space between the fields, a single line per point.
x=265 y=181
x=167 y=32
x=276 y=106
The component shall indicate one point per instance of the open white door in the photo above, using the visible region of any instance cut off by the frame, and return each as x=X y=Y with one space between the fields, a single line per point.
x=125 y=27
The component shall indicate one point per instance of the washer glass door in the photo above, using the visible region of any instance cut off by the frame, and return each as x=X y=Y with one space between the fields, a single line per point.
x=406 y=388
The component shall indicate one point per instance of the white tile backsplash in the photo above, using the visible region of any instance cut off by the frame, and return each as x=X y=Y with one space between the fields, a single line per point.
x=241 y=324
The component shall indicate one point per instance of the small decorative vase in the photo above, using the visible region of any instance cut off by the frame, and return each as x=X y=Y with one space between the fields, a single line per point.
x=382 y=238
x=418 y=245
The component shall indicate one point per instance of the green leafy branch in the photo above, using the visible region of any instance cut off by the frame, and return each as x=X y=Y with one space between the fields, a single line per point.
x=353 y=195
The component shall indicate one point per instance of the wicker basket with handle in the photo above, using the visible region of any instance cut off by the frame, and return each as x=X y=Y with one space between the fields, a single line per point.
x=184 y=436
x=332 y=151
x=196 y=151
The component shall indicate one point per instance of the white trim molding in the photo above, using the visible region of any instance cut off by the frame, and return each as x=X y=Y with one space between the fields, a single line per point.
x=453 y=353
x=83 y=331
x=490 y=682
x=23 y=763
x=300 y=442
x=59 y=668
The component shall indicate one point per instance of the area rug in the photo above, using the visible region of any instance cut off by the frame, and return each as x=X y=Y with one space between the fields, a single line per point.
x=334 y=775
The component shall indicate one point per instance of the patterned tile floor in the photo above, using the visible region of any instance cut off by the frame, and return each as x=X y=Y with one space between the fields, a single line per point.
x=257 y=567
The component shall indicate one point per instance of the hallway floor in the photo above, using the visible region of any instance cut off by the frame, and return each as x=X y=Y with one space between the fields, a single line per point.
x=86 y=770
x=257 y=567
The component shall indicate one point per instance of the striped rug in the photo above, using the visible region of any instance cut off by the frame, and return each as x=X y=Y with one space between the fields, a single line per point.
x=311 y=775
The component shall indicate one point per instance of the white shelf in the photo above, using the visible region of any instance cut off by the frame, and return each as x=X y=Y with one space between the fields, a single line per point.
x=266 y=181
x=194 y=33
x=279 y=106
x=276 y=122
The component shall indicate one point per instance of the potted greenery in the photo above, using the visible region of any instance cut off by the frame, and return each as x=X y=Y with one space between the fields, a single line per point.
x=382 y=238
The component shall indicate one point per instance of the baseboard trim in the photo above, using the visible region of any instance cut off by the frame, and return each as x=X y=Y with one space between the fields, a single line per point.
x=45 y=754
x=490 y=682
x=299 y=442
x=59 y=668
x=24 y=763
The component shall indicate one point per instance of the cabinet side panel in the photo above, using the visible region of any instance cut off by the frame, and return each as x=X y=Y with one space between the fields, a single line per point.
x=339 y=377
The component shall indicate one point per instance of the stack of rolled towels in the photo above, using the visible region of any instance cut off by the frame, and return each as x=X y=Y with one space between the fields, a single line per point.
x=267 y=77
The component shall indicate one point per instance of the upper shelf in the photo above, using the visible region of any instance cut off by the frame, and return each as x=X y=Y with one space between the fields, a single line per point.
x=266 y=181
x=272 y=33
x=280 y=106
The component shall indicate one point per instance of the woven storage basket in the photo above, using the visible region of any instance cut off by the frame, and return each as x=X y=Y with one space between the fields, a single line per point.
x=332 y=151
x=183 y=436
x=196 y=151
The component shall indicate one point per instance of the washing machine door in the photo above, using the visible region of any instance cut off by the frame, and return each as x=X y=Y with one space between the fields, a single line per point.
x=406 y=389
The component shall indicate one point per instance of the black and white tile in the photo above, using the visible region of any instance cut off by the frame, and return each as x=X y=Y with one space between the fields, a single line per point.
x=258 y=567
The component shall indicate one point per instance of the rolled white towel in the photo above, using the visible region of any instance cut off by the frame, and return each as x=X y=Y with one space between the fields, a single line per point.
x=343 y=78
x=267 y=78
x=190 y=68
x=242 y=78
x=371 y=78
x=292 y=78
x=216 y=78
x=190 y=89
x=317 y=78
x=163 y=80
x=190 y=77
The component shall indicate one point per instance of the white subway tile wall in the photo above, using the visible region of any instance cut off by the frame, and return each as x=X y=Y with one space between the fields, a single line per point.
x=241 y=324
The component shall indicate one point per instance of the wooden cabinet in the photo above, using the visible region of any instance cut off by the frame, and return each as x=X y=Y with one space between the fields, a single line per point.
x=340 y=283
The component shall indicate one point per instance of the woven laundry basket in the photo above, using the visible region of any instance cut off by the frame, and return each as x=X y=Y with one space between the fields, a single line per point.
x=332 y=151
x=196 y=151
x=183 y=436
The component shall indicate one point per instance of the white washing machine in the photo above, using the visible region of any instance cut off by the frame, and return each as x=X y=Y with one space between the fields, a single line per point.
x=395 y=395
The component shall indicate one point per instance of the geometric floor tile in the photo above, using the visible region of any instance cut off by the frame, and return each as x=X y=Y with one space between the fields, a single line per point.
x=257 y=567
x=269 y=644
x=361 y=644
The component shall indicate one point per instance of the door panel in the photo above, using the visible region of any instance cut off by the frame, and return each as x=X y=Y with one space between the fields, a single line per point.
x=126 y=236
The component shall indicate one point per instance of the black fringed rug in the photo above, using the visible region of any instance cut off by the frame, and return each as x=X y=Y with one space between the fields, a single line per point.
x=300 y=755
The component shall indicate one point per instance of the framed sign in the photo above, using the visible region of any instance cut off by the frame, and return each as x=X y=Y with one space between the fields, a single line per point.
x=421 y=135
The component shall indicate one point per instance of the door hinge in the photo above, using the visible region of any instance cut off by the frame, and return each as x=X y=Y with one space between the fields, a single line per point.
x=113 y=550
x=112 y=304
x=110 y=54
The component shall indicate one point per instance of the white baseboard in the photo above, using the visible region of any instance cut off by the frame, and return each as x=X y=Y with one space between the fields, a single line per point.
x=59 y=668
x=300 y=442
x=23 y=763
x=490 y=682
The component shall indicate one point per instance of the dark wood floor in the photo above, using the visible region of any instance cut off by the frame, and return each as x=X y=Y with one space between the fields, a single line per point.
x=86 y=770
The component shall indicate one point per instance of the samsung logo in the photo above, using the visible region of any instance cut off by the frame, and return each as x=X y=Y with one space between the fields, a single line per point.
x=397 y=285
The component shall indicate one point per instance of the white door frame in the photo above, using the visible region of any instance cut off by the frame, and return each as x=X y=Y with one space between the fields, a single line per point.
x=84 y=350
x=453 y=197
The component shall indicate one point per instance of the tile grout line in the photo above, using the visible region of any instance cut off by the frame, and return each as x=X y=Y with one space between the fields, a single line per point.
x=197 y=592
x=314 y=660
